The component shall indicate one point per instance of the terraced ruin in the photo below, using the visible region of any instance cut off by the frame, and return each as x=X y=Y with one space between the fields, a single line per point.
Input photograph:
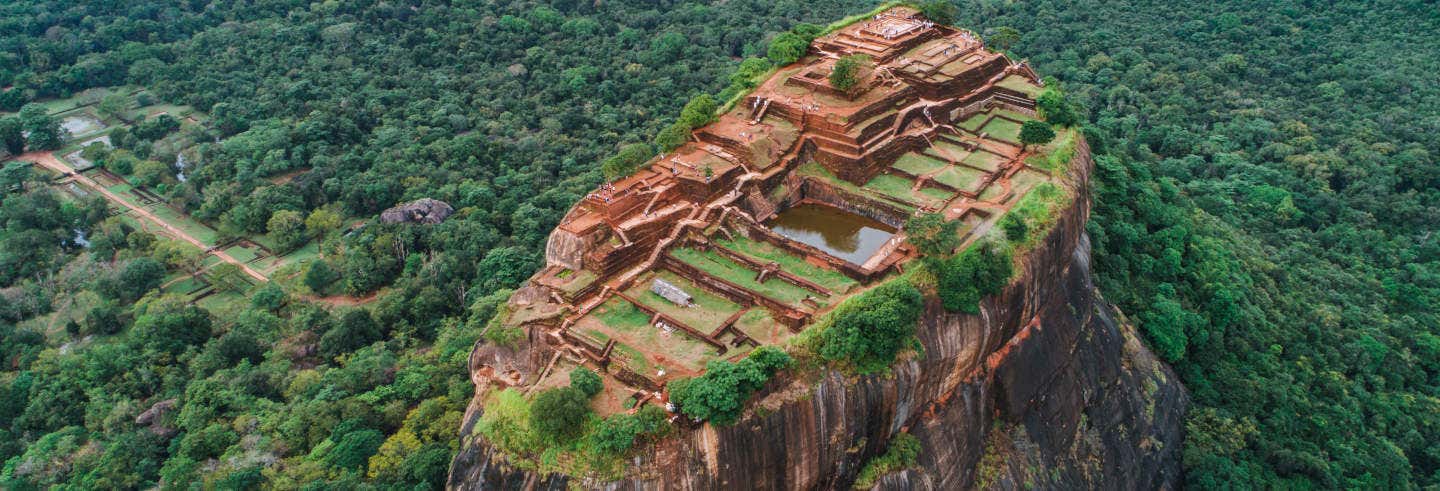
x=767 y=218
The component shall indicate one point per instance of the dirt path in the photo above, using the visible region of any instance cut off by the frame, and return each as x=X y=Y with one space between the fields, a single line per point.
x=48 y=160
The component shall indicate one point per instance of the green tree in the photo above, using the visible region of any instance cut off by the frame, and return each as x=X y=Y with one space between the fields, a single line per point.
x=45 y=131
x=720 y=393
x=14 y=175
x=932 y=234
x=672 y=137
x=699 y=111
x=940 y=11
x=114 y=106
x=559 y=415
x=846 y=73
x=1057 y=109
x=586 y=381
x=151 y=173
x=287 y=228
x=269 y=297
x=226 y=277
x=321 y=221
x=134 y=279
x=356 y=329
x=787 y=48
x=870 y=329
x=626 y=161
x=1004 y=37
x=1035 y=133
x=1015 y=227
x=11 y=135
x=979 y=271
x=320 y=275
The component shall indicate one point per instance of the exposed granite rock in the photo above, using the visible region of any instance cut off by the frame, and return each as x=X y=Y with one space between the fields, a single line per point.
x=1046 y=381
x=423 y=210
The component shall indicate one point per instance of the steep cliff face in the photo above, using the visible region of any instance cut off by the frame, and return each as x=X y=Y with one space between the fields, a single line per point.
x=1045 y=388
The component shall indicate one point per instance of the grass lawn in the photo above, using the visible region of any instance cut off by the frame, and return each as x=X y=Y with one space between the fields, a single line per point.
x=936 y=194
x=796 y=265
x=722 y=267
x=1025 y=180
x=1020 y=84
x=758 y=324
x=189 y=225
x=630 y=328
x=1003 y=129
x=1014 y=115
x=577 y=280
x=242 y=253
x=621 y=314
x=974 y=122
x=893 y=186
x=949 y=151
x=707 y=314
x=917 y=164
x=225 y=305
x=960 y=178
x=818 y=171
x=1055 y=156
x=984 y=160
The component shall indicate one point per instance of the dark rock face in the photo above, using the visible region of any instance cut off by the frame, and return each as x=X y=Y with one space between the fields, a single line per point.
x=424 y=210
x=1045 y=388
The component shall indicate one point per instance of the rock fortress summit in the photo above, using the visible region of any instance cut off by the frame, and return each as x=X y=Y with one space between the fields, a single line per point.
x=794 y=200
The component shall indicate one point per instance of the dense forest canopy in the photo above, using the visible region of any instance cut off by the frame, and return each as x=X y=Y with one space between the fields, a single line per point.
x=1266 y=198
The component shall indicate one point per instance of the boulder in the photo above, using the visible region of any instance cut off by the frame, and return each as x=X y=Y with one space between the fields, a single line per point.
x=424 y=210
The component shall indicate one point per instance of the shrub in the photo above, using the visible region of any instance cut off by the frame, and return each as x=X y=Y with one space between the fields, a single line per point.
x=1014 y=227
x=700 y=111
x=617 y=434
x=868 y=330
x=787 y=48
x=965 y=278
x=558 y=415
x=933 y=234
x=1036 y=132
x=586 y=381
x=1056 y=108
x=846 y=73
x=720 y=394
x=903 y=450
x=672 y=136
x=626 y=161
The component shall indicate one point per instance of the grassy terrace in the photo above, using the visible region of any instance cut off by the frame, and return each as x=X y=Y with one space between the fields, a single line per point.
x=960 y=178
x=899 y=188
x=707 y=314
x=813 y=169
x=758 y=324
x=630 y=327
x=936 y=194
x=984 y=160
x=1002 y=129
x=1056 y=155
x=764 y=252
x=918 y=164
x=1020 y=84
x=974 y=122
x=721 y=267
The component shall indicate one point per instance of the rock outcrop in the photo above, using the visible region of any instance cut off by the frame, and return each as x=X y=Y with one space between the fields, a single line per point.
x=423 y=210
x=1047 y=387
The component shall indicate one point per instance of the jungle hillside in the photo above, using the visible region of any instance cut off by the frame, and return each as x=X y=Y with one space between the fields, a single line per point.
x=231 y=312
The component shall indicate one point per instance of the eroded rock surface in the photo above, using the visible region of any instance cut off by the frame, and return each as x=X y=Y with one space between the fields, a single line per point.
x=1046 y=388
